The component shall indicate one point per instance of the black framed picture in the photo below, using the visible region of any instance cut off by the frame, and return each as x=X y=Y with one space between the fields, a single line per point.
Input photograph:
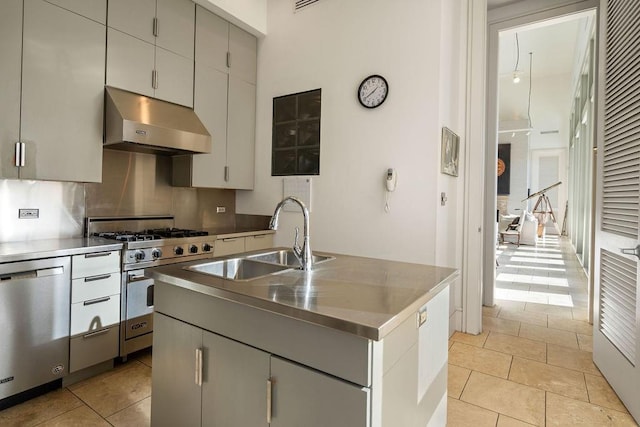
x=504 y=169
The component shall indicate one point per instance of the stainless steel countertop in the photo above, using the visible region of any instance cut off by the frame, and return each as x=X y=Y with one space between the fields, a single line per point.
x=34 y=249
x=364 y=296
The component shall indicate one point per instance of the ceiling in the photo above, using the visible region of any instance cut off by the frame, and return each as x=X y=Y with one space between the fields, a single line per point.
x=553 y=45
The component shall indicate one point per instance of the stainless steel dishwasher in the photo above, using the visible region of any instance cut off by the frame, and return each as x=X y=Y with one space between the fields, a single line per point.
x=34 y=323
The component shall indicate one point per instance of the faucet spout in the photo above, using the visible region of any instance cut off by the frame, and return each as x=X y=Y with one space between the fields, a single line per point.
x=302 y=253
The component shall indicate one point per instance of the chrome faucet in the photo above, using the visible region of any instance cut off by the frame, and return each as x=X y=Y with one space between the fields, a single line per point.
x=303 y=254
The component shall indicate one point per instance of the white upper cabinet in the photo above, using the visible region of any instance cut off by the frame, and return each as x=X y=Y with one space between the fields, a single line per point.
x=162 y=30
x=62 y=94
x=225 y=101
x=10 y=52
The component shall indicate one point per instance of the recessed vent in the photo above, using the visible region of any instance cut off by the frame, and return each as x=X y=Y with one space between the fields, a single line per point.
x=301 y=4
x=618 y=281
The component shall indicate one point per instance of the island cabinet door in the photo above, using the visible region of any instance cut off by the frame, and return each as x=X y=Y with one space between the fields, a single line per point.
x=305 y=397
x=176 y=378
x=235 y=383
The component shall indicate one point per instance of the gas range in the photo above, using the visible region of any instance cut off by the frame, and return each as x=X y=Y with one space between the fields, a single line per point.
x=155 y=246
x=156 y=242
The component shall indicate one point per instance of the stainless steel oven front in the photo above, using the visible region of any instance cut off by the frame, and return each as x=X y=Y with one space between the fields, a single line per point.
x=136 y=326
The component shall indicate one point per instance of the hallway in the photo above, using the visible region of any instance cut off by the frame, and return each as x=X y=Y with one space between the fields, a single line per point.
x=532 y=365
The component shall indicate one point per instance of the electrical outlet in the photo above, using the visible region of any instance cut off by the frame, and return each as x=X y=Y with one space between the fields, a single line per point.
x=28 y=213
x=221 y=209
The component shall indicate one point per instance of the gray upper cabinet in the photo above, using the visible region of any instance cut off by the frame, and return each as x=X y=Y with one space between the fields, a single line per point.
x=95 y=10
x=225 y=101
x=10 y=52
x=62 y=94
x=150 y=48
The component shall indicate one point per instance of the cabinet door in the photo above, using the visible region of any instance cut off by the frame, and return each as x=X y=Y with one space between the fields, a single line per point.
x=228 y=246
x=210 y=104
x=241 y=127
x=244 y=49
x=176 y=395
x=304 y=397
x=130 y=62
x=92 y=9
x=11 y=53
x=62 y=94
x=212 y=40
x=257 y=242
x=234 y=391
x=174 y=78
x=133 y=17
x=176 y=26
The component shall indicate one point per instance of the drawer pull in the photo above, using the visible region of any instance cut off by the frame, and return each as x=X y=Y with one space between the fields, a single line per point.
x=96 y=278
x=230 y=239
x=259 y=236
x=96 y=301
x=269 y=399
x=96 y=333
x=97 y=254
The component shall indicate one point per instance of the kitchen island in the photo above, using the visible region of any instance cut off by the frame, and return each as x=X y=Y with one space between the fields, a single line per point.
x=354 y=342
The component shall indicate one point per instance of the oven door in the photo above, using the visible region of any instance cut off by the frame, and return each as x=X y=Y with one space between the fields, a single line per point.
x=139 y=314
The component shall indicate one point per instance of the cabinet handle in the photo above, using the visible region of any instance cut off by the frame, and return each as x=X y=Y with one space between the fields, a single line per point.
x=199 y=367
x=96 y=278
x=154 y=79
x=228 y=59
x=226 y=173
x=97 y=254
x=230 y=239
x=259 y=236
x=269 y=392
x=20 y=154
x=96 y=301
x=96 y=333
x=155 y=27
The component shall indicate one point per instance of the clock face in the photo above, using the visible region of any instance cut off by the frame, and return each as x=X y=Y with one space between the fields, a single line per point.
x=373 y=91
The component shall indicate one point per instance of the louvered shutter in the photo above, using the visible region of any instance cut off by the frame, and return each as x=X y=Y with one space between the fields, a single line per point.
x=621 y=166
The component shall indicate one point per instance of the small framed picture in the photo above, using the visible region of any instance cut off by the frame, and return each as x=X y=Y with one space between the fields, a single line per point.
x=450 y=152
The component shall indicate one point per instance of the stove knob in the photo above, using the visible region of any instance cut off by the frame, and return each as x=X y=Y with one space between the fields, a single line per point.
x=206 y=247
x=178 y=250
x=193 y=249
x=156 y=253
x=139 y=255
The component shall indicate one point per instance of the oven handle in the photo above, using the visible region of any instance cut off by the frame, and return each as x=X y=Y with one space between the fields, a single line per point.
x=150 y=296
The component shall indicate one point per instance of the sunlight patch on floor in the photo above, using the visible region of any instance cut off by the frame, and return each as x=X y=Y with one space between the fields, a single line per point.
x=538 y=261
x=535 y=267
x=538 y=255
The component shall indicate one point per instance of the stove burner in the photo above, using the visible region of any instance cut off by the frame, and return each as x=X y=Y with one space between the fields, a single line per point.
x=176 y=232
x=152 y=234
x=128 y=236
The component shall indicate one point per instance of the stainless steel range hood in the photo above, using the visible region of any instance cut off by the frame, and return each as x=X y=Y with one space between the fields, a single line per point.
x=138 y=123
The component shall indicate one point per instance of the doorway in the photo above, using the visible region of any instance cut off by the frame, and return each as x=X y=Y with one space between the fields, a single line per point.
x=541 y=70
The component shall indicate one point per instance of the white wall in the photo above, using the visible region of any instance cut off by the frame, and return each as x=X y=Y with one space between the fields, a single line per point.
x=333 y=45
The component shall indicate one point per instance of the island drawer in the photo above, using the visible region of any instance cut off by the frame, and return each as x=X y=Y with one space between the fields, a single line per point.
x=95 y=263
x=92 y=287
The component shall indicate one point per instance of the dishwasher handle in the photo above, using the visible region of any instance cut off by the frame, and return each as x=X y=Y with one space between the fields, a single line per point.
x=32 y=274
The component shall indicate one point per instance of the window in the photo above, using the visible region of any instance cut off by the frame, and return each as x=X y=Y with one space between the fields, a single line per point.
x=295 y=146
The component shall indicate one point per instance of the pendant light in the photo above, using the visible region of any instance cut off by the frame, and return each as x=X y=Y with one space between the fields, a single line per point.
x=516 y=72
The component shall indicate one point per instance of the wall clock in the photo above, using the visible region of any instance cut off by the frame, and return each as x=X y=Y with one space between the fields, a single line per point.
x=373 y=91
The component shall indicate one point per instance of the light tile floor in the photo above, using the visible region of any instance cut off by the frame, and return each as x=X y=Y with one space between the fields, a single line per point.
x=532 y=364
x=120 y=398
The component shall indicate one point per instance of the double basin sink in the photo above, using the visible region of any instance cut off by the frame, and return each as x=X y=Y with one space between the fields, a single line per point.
x=253 y=266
